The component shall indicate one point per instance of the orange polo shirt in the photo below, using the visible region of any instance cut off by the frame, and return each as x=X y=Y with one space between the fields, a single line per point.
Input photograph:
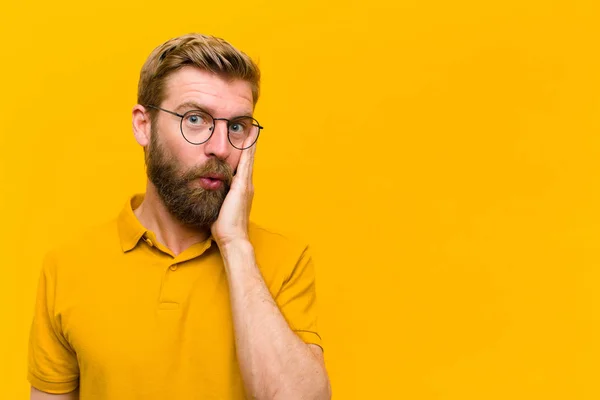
x=120 y=316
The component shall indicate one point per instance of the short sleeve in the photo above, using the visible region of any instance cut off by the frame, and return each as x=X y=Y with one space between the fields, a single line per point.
x=52 y=364
x=297 y=300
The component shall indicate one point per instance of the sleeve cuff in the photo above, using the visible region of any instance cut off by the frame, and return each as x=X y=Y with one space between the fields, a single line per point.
x=310 y=337
x=52 y=387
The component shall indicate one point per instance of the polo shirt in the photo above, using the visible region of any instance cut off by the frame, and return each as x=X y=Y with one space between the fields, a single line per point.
x=122 y=317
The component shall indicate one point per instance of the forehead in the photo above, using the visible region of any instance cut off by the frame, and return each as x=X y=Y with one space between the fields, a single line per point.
x=215 y=94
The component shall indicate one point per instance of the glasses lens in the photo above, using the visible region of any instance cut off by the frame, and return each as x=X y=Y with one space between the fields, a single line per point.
x=243 y=132
x=196 y=126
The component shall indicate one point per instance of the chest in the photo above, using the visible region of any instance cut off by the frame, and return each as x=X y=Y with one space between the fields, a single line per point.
x=165 y=323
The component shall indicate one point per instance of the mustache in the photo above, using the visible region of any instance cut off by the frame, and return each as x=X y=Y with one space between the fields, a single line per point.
x=212 y=166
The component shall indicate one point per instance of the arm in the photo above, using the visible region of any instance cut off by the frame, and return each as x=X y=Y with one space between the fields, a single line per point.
x=52 y=363
x=38 y=395
x=275 y=363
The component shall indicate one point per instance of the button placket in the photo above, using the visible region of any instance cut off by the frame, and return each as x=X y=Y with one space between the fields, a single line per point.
x=169 y=295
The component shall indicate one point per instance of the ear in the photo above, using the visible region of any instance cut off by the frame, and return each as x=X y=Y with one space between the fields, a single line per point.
x=141 y=125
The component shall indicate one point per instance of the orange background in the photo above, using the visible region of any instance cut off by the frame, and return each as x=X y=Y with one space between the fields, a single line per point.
x=441 y=156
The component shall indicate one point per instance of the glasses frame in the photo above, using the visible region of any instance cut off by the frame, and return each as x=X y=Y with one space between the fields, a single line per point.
x=182 y=116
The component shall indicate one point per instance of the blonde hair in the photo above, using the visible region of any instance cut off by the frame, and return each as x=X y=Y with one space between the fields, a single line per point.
x=208 y=53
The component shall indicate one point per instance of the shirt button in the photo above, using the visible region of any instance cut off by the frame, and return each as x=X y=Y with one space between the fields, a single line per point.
x=173 y=267
x=149 y=242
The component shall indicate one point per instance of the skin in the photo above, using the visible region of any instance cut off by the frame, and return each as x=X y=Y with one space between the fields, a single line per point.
x=274 y=362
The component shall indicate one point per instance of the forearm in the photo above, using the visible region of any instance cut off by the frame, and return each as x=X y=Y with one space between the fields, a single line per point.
x=275 y=363
x=39 y=395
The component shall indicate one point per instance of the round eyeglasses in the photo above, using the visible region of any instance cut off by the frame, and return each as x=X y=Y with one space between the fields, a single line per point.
x=197 y=127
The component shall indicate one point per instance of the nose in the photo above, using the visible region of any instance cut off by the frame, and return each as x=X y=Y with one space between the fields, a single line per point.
x=218 y=144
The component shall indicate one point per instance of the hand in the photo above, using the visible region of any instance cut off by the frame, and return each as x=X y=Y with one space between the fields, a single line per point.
x=232 y=223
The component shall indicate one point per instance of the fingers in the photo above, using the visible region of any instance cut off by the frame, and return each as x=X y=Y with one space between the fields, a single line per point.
x=246 y=165
x=252 y=151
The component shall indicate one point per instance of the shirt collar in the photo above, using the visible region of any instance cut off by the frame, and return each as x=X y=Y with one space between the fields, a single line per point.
x=130 y=228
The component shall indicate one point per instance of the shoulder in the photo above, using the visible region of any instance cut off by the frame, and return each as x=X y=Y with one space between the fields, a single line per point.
x=267 y=241
x=84 y=248
x=277 y=253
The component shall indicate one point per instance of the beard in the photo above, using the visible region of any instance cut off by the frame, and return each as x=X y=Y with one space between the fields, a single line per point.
x=191 y=205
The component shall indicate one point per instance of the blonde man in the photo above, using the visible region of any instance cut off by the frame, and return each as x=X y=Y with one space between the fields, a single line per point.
x=181 y=297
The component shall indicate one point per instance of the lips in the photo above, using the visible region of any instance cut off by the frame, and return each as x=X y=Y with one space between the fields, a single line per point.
x=211 y=182
x=214 y=177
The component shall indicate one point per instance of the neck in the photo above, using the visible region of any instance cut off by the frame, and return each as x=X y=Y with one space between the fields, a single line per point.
x=154 y=216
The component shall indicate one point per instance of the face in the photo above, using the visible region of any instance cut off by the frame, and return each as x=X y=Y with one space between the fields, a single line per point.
x=193 y=180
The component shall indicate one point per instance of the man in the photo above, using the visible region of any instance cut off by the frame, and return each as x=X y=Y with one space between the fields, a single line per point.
x=181 y=297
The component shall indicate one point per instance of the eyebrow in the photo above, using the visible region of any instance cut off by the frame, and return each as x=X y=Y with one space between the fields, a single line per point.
x=191 y=105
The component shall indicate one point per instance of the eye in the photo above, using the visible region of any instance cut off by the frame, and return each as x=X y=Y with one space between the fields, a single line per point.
x=195 y=119
x=237 y=127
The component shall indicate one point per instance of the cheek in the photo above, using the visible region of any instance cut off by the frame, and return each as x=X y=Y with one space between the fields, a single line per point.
x=183 y=153
x=190 y=156
x=234 y=160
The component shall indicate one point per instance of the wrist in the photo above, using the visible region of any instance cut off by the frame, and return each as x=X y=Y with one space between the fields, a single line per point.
x=236 y=247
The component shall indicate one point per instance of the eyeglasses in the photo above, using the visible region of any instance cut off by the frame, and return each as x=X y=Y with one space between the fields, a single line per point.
x=197 y=127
